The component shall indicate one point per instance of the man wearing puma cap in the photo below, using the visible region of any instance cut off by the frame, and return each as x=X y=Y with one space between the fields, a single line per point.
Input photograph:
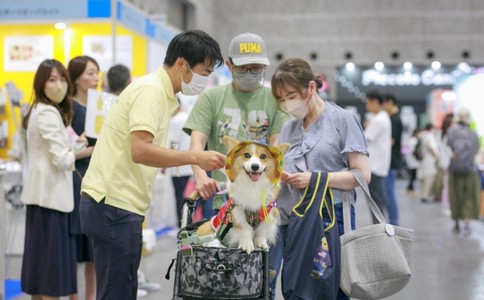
x=243 y=109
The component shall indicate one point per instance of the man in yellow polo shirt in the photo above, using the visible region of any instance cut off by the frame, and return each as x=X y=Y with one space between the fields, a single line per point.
x=116 y=190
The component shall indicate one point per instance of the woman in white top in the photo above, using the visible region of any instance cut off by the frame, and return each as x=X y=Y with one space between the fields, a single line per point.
x=428 y=164
x=49 y=262
x=412 y=161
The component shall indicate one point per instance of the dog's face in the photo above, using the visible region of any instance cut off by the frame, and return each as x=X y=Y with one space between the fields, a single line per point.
x=254 y=160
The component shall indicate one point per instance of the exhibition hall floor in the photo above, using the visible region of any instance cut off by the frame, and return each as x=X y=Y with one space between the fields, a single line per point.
x=445 y=266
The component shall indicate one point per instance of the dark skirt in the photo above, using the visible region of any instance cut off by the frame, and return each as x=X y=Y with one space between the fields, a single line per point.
x=49 y=263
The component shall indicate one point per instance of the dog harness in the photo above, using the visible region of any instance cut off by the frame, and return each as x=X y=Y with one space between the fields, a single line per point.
x=222 y=221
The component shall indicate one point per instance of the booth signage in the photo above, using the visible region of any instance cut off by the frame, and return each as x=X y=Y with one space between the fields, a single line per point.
x=407 y=78
x=414 y=84
x=46 y=9
x=162 y=34
x=132 y=18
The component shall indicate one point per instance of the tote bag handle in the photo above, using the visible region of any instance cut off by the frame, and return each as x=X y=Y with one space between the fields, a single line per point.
x=346 y=201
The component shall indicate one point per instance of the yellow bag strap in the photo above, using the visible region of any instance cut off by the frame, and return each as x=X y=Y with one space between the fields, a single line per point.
x=324 y=203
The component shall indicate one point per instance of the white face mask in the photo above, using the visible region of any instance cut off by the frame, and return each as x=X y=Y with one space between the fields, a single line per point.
x=56 y=93
x=195 y=86
x=297 y=108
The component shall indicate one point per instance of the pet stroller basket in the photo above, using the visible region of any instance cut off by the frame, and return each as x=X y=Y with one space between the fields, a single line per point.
x=214 y=272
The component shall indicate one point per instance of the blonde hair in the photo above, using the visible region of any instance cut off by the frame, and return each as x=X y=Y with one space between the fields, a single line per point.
x=463 y=116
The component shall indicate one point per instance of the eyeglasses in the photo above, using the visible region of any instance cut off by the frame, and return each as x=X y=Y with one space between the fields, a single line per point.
x=252 y=70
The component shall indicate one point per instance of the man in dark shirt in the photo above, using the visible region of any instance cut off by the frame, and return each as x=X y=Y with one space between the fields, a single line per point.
x=391 y=107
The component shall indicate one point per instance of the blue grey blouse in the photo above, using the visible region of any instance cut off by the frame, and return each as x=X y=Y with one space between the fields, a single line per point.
x=324 y=146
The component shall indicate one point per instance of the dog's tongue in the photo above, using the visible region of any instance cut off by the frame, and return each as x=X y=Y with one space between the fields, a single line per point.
x=254 y=176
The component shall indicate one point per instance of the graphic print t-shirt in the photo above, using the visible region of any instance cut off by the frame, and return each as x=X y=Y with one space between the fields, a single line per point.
x=245 y=116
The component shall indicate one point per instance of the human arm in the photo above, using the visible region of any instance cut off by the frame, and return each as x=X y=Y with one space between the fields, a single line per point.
x=205 y=185
x=87 y=152
x=52 y=130
x=273 y=140
x=143 y=151
x=342 y=180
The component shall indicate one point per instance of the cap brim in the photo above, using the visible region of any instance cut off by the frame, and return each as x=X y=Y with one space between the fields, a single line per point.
x=240 y=61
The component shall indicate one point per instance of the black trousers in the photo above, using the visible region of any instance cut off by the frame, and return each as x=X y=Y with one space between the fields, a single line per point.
x=179 y=184
x=377 y=191
x=117 y=240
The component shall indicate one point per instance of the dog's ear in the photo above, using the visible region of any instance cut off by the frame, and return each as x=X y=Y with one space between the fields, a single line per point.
x=283 y=147
x=230 y=143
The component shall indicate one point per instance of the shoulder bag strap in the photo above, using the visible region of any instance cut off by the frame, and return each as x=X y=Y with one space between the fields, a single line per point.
x=308 y=196
x=347 y=206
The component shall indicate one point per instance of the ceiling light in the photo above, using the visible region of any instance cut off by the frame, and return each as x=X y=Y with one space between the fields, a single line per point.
x=60 y=25
x=436 y=65
x=350 y=66
x=407 y=65
x=379 y=65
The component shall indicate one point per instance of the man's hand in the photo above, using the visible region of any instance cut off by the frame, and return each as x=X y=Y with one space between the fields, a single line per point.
x=210 y=160
x=298 y=180
x=206 y=186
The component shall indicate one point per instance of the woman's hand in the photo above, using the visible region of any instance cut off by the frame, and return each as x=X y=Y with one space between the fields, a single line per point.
x=298 y=180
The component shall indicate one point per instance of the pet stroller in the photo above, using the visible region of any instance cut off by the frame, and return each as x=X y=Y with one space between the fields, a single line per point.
x=213 y=272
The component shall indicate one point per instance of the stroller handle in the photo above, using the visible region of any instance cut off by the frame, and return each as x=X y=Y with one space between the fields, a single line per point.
x=188 y=208
x=191 y=199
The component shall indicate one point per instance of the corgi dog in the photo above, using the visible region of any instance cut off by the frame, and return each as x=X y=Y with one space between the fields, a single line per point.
x=249 y=219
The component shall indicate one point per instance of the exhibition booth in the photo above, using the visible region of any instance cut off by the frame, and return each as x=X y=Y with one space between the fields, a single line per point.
x=110 y=31
x=425 y=94
x=32 y=31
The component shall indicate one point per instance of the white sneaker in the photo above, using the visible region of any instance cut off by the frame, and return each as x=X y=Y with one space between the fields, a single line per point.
x=141 y=293
x=146 y=285
x=149 y=287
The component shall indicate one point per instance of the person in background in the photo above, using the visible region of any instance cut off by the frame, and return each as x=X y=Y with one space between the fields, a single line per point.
x=378 y=133
x=49 y=260
x=83 y=71
x=441 y=188
x=428 y=164
x=243 y=109
x=481 y=177
x=179 y=140
x=412 y=161
x=323 y=137
x=464 y=181
x=391 y=203
x=118 y=78
x=117 y=188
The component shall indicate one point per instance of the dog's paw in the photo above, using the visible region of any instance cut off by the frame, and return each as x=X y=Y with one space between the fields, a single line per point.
x=261 y=242
x=247 y=246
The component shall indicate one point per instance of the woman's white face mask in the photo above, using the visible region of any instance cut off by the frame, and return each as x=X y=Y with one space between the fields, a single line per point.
x=297 y=108
x=196 y=86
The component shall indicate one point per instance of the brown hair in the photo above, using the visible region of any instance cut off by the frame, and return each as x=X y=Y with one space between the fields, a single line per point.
x=41 y=77
x=446 y=123
x=77 y=66
x=295 y=72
